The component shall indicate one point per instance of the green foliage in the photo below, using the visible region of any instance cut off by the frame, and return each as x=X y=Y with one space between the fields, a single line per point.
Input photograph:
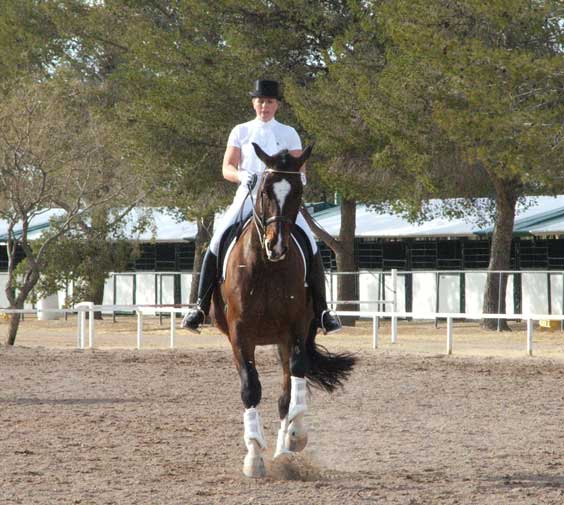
x=29 y=42
x=485 y=79
x=84 y=257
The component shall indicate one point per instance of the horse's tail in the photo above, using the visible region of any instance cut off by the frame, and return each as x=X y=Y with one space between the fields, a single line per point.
x=327 y=370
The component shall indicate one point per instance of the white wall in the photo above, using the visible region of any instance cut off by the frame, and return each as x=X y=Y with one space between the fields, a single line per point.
x=534 y=291
x=3 y=282
x=368 y=290
x=424 y=292
x=449 y=293
x=185 y=284
x=556 y=293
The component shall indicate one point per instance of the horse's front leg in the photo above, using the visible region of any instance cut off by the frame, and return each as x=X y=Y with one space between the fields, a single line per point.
x=292 y=405
x=251 y=392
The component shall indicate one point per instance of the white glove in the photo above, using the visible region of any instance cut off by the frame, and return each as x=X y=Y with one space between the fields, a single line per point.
x=304 y=178
x=247 y=179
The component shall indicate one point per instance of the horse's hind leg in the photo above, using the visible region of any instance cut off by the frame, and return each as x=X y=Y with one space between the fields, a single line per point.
x=292 y=435
x=251 y=392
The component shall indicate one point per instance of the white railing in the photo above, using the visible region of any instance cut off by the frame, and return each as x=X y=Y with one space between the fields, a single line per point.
x=450 y=318
x=141 y=310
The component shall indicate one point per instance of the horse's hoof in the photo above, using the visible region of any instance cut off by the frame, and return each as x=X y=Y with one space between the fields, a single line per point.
x=296 y=443
x=254 y=467
x=282 y=455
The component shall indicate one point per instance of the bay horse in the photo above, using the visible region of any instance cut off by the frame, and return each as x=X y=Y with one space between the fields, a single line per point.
x=264 y=300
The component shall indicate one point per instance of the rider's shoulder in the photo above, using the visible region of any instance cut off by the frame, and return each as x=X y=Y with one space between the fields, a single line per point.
x=244 y=127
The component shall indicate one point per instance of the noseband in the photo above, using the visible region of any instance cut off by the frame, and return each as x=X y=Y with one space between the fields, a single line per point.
x=261 y=222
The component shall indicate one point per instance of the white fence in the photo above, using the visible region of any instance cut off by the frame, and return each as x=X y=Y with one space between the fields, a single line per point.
x=141 y=311
x=537 y=292
x=436 y=294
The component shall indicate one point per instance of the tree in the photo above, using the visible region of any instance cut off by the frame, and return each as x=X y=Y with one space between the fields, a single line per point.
x=52 y=155
x=485 y=82
x=175 y=92
x=29 y=41
x=99 y=242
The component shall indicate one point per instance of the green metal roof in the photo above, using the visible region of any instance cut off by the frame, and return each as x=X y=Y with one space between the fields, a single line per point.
x=524 y=225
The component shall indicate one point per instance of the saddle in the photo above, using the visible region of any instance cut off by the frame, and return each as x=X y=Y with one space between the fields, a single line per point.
x=233 y=233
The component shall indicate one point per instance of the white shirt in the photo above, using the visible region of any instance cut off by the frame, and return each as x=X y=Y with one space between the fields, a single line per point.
x=272 y=137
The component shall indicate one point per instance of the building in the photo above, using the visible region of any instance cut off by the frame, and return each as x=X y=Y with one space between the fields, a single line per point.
x=422 y=252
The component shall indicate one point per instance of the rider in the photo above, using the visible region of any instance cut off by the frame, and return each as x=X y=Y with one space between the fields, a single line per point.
x=241 y=165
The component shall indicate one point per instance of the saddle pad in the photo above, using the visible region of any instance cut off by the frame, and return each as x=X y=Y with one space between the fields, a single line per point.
x=298 y=236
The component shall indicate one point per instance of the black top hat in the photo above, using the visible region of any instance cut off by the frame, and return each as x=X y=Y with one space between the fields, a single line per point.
x=267 y=89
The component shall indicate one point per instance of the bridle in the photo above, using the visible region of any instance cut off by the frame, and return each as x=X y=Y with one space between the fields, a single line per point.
x=260 y=220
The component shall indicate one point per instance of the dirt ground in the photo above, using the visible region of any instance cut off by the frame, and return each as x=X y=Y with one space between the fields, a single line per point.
x=413 y=426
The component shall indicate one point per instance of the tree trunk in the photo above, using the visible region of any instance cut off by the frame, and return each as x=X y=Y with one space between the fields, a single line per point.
x=347 y=285
x=97 y=290
x=17 y=302
x=98 y=230
x=500 y=255
x=13 y=326
x=203 y=236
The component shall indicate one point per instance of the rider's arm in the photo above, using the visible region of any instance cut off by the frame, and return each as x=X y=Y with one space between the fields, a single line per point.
x=231 y=160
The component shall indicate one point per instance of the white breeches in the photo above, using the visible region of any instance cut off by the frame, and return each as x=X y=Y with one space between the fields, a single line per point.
x=235 y=210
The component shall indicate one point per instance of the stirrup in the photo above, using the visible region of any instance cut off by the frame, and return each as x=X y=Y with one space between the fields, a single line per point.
x=333 y=328
x=189 y=322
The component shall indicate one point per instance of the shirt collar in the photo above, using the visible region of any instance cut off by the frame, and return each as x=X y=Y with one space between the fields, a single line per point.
x=268 y=124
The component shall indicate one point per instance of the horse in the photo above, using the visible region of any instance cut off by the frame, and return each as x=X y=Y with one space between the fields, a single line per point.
x=264 y=300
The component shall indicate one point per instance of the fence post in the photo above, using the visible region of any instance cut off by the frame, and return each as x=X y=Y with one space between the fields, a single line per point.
x=78 y=329
x=395 y=305
x=449 y=335
x=499 y=302
x=530 y=337
x=139 y=329
x=172 y=328
x=90 y=325
x=374 y=332
x=114 y=296
x=437 y=295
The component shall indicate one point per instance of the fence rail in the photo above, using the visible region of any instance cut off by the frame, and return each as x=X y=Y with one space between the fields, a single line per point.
x=141 y=310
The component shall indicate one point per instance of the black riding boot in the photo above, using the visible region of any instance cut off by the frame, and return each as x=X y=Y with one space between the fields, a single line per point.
x=328 y=321
x=208 y=278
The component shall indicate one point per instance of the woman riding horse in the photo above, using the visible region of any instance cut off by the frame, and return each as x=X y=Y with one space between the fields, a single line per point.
x=264 y=299
x=242 y=165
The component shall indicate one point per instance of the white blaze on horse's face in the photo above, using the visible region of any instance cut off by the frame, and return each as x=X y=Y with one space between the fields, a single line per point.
x=281 y=190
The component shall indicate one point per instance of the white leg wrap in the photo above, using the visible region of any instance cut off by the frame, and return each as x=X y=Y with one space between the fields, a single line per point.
x=253 y=428
x=298 y=398
x=281 y=446
x=292 y=435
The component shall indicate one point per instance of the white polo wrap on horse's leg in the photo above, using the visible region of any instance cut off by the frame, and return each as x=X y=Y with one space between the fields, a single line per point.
x=298 y=398
x=292 y=435
x=253 y=466
x=253 y=428
x=281 y=440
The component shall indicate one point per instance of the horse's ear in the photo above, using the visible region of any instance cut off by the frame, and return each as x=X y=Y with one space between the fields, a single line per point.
x=265 y=158
x=305 y=155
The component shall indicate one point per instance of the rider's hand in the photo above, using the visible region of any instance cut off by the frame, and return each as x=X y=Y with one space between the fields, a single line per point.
x=304 y=178
x=247 y=179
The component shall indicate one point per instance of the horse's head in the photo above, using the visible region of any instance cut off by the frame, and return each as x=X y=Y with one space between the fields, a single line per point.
x=278 y=199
